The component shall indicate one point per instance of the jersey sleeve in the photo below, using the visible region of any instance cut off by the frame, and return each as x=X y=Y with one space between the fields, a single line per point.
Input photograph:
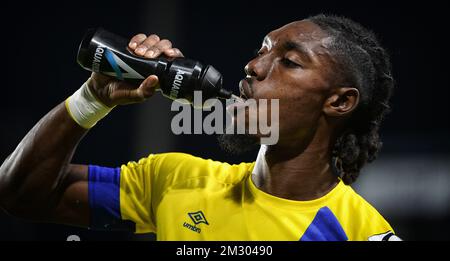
x=104 y=199
x=126 y=198
x=121 y=198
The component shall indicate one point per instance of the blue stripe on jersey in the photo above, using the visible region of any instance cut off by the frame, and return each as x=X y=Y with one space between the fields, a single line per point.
x=324 y=227
x=104 y=199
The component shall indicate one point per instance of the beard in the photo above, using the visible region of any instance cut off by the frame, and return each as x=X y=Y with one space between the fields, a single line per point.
x=238 y=144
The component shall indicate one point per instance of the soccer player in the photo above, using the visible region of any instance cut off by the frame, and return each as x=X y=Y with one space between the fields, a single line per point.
x=334 y=82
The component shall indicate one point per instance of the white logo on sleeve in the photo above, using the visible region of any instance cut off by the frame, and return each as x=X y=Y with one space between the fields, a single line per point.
x=73 y=238
x=388 y=236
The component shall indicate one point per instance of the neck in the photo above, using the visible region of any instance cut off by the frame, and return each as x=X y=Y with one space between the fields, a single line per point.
x=296 y=172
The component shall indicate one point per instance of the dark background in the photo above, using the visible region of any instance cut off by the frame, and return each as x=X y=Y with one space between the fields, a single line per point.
x=410 y=182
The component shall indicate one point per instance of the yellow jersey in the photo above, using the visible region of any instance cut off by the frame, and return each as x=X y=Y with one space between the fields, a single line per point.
x=182 y=197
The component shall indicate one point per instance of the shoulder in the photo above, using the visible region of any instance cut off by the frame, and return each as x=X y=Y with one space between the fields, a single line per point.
x=175 y=167
x=361 y=220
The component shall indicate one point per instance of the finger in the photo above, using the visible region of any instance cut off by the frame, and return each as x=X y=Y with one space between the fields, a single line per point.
x=145 y=90
x=173 y=53
x=150 y=41
x=158 y=48
x=136 y=40
x=148 y=86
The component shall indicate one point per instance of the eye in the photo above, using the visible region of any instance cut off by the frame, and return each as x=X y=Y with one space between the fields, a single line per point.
x=257 y=52
x=289 y=63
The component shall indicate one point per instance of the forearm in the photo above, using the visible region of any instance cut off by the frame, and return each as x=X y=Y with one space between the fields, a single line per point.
x=32 y=173
x=37 y=180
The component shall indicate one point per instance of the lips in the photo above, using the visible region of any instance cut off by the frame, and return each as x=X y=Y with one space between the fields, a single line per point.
x=244 y=88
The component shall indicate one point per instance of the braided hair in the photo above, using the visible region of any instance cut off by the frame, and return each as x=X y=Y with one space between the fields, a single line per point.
x=365 y=65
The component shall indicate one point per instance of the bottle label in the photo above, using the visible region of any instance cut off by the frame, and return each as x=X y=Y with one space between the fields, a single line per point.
x=177 y=82
x=98 y=55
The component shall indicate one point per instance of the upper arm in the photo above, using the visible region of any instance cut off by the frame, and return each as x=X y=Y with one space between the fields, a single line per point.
x=73 y=205
x=104 y=198
x=91 y=196
x=116 y=198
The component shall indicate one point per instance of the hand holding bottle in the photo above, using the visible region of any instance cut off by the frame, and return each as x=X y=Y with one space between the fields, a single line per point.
x=111 y=91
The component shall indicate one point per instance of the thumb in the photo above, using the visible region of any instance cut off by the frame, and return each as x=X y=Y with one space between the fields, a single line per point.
x=145 y=90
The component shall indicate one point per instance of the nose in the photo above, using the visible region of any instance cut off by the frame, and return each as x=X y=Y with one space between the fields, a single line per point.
x=258 y=68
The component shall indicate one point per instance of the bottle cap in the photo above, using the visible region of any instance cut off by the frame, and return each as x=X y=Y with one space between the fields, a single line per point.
x=211 y=84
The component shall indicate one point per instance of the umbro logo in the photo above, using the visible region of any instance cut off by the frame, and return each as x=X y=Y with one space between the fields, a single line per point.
x=196 y=217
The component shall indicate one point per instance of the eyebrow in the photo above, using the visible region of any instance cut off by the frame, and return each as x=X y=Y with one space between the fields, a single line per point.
x=267 y=41
x=300 y=48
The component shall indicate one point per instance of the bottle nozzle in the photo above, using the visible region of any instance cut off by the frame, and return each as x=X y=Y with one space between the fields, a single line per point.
x=224 y=94
x=237 y=98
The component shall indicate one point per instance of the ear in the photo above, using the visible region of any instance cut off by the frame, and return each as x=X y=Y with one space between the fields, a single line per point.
x=341 y=102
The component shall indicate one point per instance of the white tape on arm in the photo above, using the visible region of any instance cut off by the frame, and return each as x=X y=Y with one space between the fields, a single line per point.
x=85 y=109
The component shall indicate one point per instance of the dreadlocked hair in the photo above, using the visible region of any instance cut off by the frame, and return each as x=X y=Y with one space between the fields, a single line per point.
x=361 y=63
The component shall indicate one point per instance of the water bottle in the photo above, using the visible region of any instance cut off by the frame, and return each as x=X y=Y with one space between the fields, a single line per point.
x=106 y=53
